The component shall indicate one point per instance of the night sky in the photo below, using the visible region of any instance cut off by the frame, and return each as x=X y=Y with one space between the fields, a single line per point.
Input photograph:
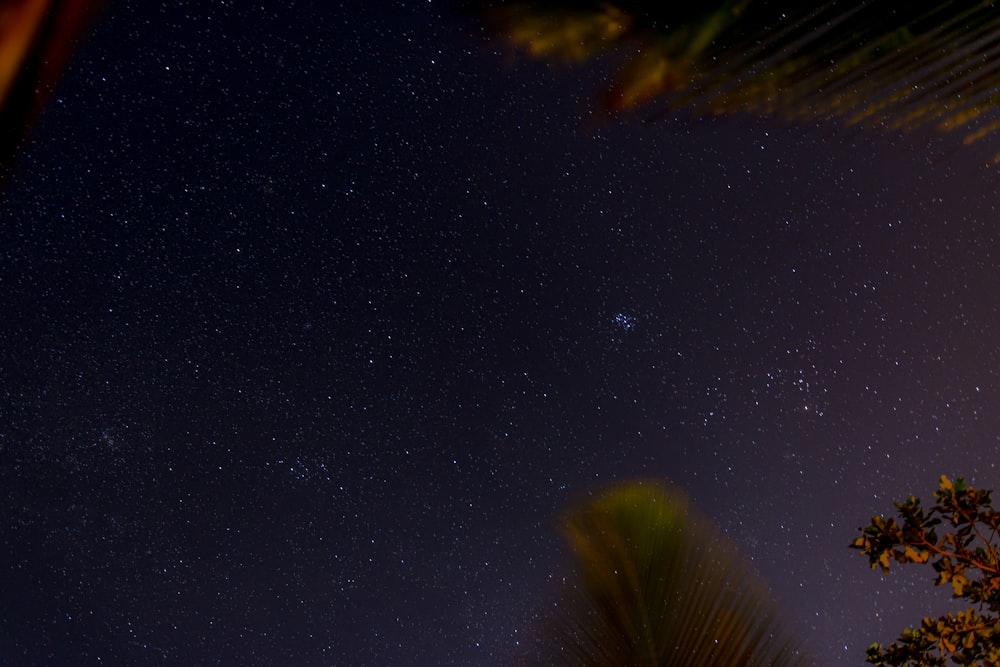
x=314 y=317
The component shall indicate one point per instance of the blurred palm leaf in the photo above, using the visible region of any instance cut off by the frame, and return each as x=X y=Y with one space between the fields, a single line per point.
x=881 y=63
x=657 y=586
x=37 y=38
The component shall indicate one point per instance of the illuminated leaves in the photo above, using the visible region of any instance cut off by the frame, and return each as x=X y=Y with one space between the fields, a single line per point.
x=966 y=558
x=562 y=33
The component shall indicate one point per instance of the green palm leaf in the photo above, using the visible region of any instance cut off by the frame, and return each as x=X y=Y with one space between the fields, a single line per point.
x=657 y=586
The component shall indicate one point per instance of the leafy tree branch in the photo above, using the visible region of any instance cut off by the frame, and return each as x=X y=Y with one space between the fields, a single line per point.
x=963 y=557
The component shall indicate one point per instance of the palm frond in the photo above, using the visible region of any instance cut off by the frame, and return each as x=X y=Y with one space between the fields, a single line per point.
x=656 y=585
x=876 y=63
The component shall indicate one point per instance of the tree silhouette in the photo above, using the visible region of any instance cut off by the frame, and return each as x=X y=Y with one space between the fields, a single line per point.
x=655 y=585
x=881 y=63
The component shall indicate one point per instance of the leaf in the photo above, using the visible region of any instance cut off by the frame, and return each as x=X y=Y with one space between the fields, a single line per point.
x=958 y=583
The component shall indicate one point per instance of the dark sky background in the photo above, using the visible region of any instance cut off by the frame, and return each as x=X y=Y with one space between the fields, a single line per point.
x=314 y=316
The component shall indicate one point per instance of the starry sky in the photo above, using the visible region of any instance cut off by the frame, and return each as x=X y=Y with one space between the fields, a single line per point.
x=315 y=316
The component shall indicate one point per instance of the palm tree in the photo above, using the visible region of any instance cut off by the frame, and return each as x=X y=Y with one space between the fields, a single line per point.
x=655 y=585
x=880 y=63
